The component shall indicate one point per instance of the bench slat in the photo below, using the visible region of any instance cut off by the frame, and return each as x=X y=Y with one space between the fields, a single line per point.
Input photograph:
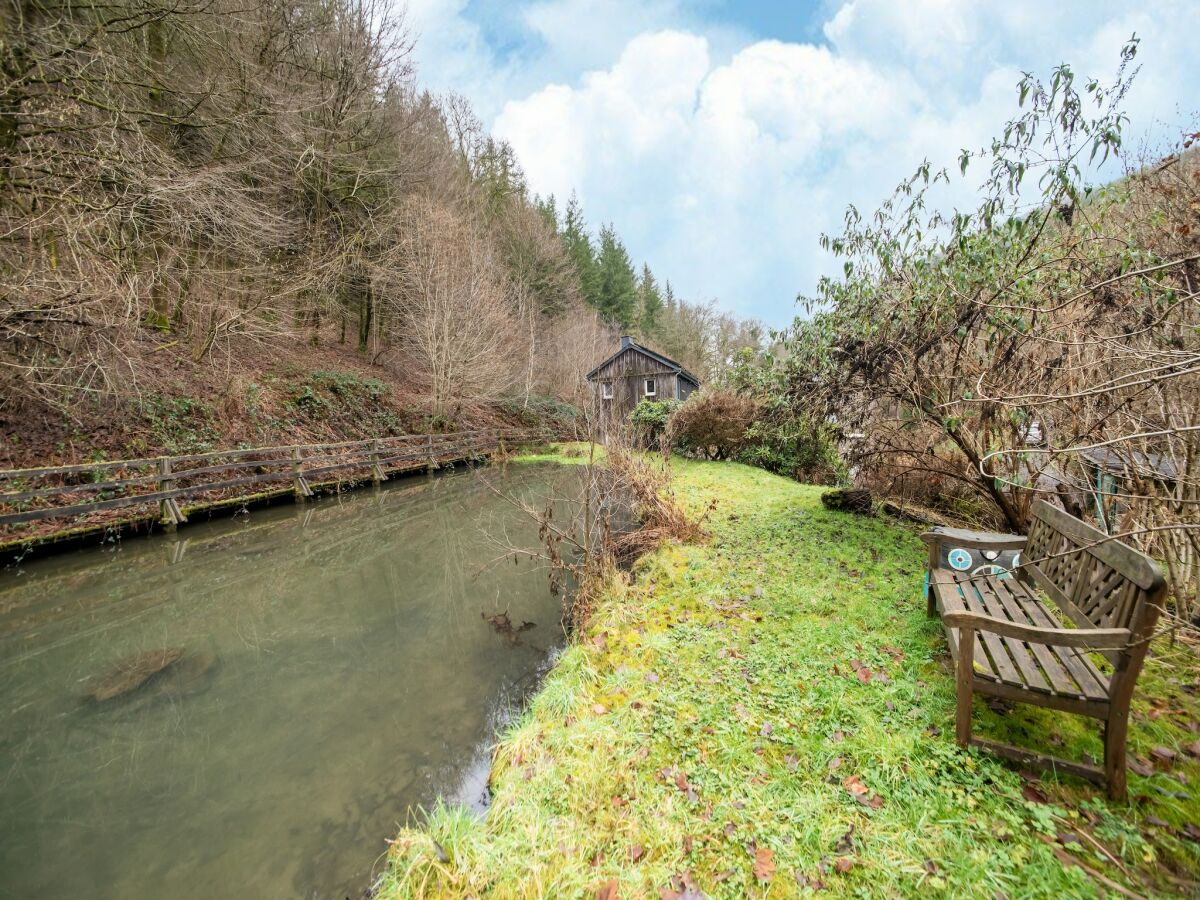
x=994 y=643
x=991 y=594
x=1076 y=662
x=951 y=600
x=1041 y=668
x=1060 y=681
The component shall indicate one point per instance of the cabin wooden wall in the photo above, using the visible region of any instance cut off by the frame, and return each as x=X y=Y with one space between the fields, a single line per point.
x=626 y=372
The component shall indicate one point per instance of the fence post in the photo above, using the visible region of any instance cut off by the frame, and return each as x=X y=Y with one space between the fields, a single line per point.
x=430 y=465
x=169 y=513
x=165 y=483
x=377 y=474
x=300 y=489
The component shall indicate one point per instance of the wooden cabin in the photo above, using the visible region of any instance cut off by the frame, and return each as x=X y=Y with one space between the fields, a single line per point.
x=635 y=373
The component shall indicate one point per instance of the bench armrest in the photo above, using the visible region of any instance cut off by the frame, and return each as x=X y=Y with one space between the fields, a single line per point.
x=1083 y=638
x=977 y=540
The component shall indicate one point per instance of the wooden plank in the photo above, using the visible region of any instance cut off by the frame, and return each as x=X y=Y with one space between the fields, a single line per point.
x=949 y=599
x=1081 y=668
x=1041 y=761
x=964 y=677
x=1059 y=680
x=1001 y=664
x=1072 y=703
x=1133 y=564
x=1080 y=638
x=1019 y=650
x=976 y=539
x=90 y=487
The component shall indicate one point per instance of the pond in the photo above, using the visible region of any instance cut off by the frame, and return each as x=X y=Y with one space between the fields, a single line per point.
x=252 y=707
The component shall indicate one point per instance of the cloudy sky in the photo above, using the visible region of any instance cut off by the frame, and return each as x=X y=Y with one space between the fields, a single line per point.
x=721 y=137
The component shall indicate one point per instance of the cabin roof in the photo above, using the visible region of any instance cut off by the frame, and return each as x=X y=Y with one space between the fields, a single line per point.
x=627 y=345
x=1157 y=466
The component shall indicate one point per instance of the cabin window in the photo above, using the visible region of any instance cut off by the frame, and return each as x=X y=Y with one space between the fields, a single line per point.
x=650 y=391
x=606 y=390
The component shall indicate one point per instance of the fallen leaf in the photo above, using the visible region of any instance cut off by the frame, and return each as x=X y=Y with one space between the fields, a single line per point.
x=791 y=762
x=684 y=786
x=652 y=677
x=636 y=852
x=601 y=640
x=1163 y=757
x=1033 y=794
x=843 y=864
x=854 y=785
x=930 y=866
x=1140 y=766
x=599 y=709
x=863 y=675
x=834 y=763
x=766 y=730
x=1193 y=748
x=764 y=864
x=688 y=841
x=608 y=891
x=1191 y=831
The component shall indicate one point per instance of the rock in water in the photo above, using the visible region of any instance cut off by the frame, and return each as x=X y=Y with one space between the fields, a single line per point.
x=848 y=499
x=130 y=674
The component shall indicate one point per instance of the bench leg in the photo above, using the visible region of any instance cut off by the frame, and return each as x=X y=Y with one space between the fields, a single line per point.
x=1116 y=729
x=964 y=686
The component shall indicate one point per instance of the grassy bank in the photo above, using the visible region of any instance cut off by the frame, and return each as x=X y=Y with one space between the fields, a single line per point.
x=772 y=713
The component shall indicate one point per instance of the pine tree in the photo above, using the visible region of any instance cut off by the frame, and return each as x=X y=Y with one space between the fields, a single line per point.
x=650 y=302
x=548 y=210
x=618 y=294
x=582 y=254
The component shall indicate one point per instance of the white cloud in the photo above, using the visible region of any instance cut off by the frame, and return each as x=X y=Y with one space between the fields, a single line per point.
x=720 y=161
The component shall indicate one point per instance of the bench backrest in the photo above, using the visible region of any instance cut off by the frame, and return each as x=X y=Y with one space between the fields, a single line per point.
x=1097 y=581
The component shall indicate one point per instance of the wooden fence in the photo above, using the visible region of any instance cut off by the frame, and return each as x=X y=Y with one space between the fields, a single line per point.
x=81 y=490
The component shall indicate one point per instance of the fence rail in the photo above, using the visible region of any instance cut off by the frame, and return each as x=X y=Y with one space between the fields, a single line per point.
x=68 y=492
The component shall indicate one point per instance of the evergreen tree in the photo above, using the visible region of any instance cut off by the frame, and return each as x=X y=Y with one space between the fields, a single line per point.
x=650 y=302
x=548 y=210
x=582 y=254
x=618 y=295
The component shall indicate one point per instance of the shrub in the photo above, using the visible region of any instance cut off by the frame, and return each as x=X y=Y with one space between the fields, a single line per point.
x=713 y=423
x=793 y=446
x=649 y=418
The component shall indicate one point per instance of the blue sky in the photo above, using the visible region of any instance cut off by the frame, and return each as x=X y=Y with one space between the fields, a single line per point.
x=721 y=138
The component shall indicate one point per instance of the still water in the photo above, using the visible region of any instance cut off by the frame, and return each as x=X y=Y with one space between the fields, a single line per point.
x=327 y=674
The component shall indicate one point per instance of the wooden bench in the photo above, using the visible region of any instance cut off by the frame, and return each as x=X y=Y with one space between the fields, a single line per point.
x=1007 y=642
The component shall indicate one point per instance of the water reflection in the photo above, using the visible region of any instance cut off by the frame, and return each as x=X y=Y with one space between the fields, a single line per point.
x=296 y=682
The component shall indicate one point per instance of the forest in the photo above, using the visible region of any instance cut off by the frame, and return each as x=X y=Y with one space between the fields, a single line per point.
x=218 y=217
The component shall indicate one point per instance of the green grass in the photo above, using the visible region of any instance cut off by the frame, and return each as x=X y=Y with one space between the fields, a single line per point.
x=732 y=665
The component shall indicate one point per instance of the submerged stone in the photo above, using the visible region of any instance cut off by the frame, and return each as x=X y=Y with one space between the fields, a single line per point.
x=130 y=674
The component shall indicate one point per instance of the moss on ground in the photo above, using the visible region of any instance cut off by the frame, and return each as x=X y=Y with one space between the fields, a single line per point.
x=710 y=729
